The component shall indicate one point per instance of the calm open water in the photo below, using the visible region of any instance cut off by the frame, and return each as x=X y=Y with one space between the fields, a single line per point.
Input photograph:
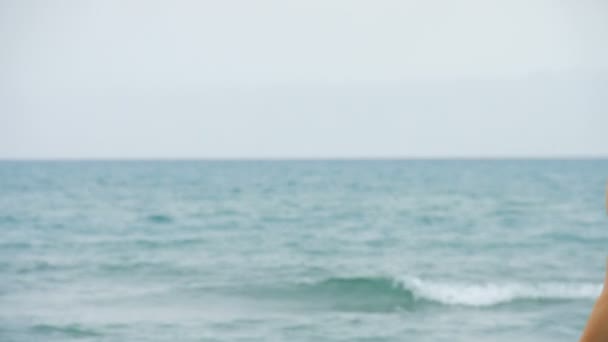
x=300 y=250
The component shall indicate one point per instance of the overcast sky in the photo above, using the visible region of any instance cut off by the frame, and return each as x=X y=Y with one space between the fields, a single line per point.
x=314 y=78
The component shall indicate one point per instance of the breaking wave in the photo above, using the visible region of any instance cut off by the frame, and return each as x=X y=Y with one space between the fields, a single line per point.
x=487 y=294
x=386 y=294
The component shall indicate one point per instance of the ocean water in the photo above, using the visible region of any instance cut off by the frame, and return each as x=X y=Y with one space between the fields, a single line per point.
x=410 y=250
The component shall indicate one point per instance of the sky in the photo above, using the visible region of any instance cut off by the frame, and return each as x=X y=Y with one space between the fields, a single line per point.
x=303 y=79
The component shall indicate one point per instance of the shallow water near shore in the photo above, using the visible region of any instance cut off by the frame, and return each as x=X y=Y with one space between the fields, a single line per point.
x=376 y=250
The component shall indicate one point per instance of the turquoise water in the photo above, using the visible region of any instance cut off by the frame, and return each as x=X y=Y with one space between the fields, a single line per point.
x=300 y=250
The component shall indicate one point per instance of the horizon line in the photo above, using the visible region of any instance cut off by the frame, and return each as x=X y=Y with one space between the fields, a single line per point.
x=308 y=158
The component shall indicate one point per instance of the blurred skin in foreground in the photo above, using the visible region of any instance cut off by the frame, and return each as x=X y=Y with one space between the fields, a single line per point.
x=597 y=326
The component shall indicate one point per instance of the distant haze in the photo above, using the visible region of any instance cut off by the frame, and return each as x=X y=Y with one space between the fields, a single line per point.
x=303 y=79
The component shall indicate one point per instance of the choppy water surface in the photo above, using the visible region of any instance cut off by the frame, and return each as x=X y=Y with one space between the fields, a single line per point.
x=300 y=250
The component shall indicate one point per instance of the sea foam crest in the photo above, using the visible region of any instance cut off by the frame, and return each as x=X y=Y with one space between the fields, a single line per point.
x=487 y=294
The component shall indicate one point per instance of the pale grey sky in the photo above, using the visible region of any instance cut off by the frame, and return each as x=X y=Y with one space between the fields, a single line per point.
x=315 y=78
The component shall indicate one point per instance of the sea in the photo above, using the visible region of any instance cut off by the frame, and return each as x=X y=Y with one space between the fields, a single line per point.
x=301 y=250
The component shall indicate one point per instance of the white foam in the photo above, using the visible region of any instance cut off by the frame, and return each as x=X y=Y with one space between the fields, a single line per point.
x=470 y=294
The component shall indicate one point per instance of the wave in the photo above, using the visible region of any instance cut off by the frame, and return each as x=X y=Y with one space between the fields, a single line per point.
x=388 y=294
x=356 y=294
x=8 y=219
x=71 y=330
x=488 y=294
x=159 y=218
